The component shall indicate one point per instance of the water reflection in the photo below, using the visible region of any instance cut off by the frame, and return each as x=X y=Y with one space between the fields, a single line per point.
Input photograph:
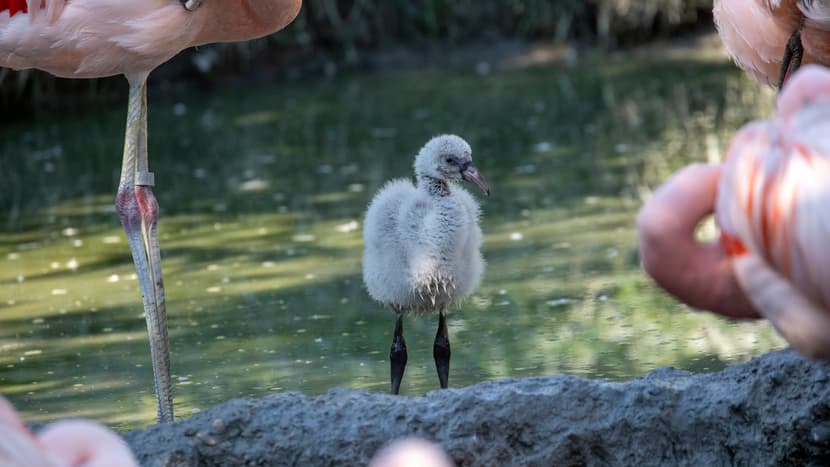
x=262 y=193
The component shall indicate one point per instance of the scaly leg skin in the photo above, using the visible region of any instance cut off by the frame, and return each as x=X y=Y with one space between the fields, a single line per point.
x=397 y=355
x=138 y=209
x=441 y=350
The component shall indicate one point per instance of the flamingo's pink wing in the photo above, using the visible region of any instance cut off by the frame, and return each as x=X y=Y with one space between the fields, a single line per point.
x=774 y=195
x=805 y=325
x=737 y=200
x=33 y=8
x=806 y=188
x=13 y=7
x=752 y=36
x=775 y=198
x=53 y=8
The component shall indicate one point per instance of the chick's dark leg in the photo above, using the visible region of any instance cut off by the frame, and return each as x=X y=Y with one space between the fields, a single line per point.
x=397 y=355
x=441 y=350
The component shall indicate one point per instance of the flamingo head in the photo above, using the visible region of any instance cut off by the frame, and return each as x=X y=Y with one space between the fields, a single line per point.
x=449 y=158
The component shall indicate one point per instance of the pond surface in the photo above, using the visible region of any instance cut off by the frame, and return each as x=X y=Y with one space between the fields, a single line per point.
x=262 y=193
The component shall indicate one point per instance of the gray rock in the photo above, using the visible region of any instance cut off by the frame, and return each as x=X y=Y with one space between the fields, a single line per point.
x=773 y=410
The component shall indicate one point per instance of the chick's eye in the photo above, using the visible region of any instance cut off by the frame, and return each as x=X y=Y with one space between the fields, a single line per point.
x=450 y=160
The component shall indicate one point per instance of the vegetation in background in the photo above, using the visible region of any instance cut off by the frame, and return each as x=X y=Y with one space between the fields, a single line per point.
x=346 y=32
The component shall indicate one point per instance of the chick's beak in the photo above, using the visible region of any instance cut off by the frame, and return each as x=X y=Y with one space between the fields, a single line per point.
x=472 y=175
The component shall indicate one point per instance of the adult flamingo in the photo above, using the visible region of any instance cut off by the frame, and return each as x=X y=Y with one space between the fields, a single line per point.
x=97 y=38
x=770 y=39
x=772 y=203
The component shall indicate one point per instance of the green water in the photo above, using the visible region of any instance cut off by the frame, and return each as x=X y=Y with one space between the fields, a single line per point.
x=262 y=191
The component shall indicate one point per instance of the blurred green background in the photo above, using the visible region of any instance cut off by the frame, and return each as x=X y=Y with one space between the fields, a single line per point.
x=330 y=37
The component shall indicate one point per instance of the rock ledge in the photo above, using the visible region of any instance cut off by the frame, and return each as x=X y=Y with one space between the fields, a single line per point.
x=772 y=410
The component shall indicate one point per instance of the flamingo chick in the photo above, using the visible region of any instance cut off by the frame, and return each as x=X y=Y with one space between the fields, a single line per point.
x=771 y=201
x=770 y=39
x=422 y=244
x=97 y=38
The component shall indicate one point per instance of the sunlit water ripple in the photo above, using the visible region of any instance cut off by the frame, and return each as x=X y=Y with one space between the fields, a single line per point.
x=262 y=193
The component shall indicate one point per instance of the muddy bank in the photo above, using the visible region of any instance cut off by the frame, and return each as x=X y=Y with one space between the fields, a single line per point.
x=773 y=410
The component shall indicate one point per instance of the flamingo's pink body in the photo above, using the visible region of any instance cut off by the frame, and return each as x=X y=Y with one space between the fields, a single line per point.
x=755 y=32
x=96 y=38
x=772 y=203
x=773 y=208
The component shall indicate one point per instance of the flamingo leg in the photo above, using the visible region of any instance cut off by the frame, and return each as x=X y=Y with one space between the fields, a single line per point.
x=397 y=355
x=441 y=350
x=793 y=53
x=138 y=209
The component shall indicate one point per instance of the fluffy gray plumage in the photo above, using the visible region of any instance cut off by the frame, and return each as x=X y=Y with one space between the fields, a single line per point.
x=422 y=241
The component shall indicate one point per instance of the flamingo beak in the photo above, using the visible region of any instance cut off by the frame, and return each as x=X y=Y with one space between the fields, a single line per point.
x=471 y=174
